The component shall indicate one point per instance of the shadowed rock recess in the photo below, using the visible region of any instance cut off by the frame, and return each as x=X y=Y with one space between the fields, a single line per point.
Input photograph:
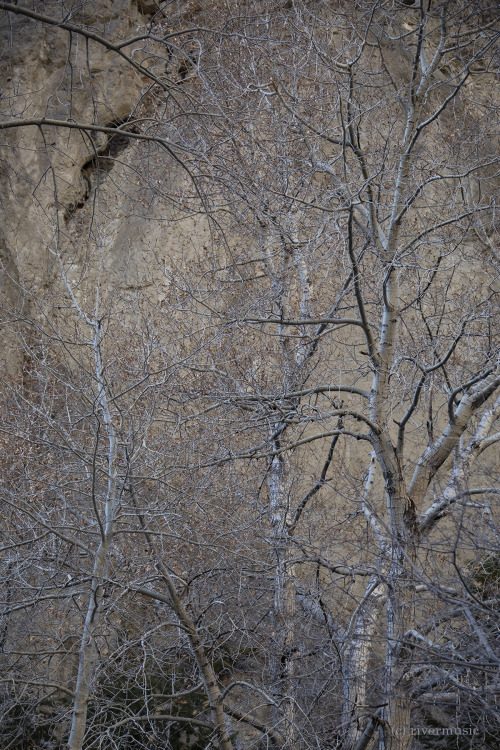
x=250 y=375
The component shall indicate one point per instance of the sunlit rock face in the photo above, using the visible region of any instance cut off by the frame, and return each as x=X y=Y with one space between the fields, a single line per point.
x=77 y=204
x=96 y=201
x=48 y=172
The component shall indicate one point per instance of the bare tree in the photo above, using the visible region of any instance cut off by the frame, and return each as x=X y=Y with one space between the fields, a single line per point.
x=85 y=419
x=276 y=457
x=350 y=161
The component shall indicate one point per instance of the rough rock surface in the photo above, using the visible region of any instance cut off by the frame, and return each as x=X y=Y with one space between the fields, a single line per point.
x=56 y=184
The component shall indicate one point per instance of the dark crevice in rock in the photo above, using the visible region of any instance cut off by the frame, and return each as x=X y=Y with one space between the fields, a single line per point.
x=150 y=7
x=104 y=157
x=102 y=161
x=180 y=64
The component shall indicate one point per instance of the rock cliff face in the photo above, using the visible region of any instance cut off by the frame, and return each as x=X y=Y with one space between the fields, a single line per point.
x=82 y=196
x=70 y=193
x=249 y=280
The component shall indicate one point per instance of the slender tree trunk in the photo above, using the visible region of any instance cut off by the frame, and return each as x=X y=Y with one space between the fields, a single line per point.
x=395 y=734
x=207 y=673
x=87 y=654
x=356 y=666
x=284 y=608
x=396 y=714
x=395 y=725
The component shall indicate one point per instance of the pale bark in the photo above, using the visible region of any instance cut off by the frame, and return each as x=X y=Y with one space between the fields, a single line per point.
x=435 y=456
x=284 y=606
x=356 y=667
x=208 y=676
x=87 y=654
x=400 y=611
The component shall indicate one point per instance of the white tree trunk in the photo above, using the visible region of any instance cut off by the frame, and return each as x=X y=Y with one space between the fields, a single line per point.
x=356 y=667
x=284 y=608
x=87 y=654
